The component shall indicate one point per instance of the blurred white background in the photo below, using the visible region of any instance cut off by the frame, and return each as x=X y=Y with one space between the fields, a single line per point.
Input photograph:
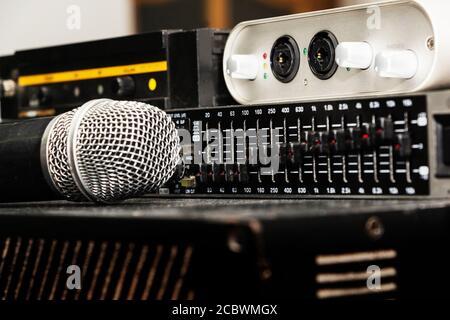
x=36 y=23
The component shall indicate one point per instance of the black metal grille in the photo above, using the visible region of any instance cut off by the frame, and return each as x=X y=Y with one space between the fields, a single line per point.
x=36 y=269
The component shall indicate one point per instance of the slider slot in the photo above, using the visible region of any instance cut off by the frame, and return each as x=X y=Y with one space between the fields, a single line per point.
x=257 y=138
x=330 y=179
x=300 y=171
x=272 y=146
x=313 y=127
x=208 y=154
x=286 y=174
x=244 y=127
x=408 y=162
x=221 y=148
x=344 y=169
x=375 y=158
x=360 y=179
x=391 y=164
x=375 y=167
x=344 y=157
x=232 y=143
x=408 y=171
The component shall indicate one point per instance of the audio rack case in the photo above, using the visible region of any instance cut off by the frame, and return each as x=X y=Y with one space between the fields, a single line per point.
x=167 y=68
x=148 y=249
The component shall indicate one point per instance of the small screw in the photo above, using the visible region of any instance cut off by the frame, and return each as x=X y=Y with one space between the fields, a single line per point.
x=76 y=91
x=100 y=89
x=266 y=274
x=430 y=43
x=374 y=228
x=234 y=243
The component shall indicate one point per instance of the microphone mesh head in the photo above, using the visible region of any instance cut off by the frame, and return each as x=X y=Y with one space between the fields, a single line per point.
x=57 y=159
x=115 y=150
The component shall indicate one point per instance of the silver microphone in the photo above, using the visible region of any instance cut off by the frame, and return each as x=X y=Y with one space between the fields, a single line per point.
x=106 y=151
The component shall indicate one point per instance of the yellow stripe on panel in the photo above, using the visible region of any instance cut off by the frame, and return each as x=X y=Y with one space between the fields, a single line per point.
x=94 y=73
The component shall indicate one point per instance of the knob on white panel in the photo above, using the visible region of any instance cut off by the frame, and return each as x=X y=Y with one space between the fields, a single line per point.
x=242 y=66
x=401 y=64
x=358 y=55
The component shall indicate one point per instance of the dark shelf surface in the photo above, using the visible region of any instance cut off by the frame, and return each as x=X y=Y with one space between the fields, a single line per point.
x=220 y=209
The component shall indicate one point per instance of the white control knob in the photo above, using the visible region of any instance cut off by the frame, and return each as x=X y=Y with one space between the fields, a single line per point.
x=358 y=55
x=242 y=66
x=402 y=64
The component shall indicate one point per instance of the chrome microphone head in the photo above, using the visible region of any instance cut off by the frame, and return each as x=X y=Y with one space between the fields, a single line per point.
x=106 y=151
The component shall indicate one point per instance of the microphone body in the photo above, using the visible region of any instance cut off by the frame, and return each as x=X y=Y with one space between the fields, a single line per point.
x=105 y=151
x=21 y=175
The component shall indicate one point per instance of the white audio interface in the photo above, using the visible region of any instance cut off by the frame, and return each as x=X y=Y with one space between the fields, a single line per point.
x=380 y=48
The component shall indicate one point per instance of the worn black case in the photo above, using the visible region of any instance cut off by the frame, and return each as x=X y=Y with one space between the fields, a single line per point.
x=168 y=68
x=149 y=249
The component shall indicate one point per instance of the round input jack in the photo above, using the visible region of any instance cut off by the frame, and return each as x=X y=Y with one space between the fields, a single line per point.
x=285 y=59
x=322 y=55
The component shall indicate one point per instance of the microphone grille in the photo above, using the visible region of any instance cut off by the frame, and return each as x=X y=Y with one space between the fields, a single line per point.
x=57 y=158
x=115 y=150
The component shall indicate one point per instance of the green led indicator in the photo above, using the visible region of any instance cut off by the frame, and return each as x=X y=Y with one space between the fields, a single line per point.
x=266 y=76
x=305 y=51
